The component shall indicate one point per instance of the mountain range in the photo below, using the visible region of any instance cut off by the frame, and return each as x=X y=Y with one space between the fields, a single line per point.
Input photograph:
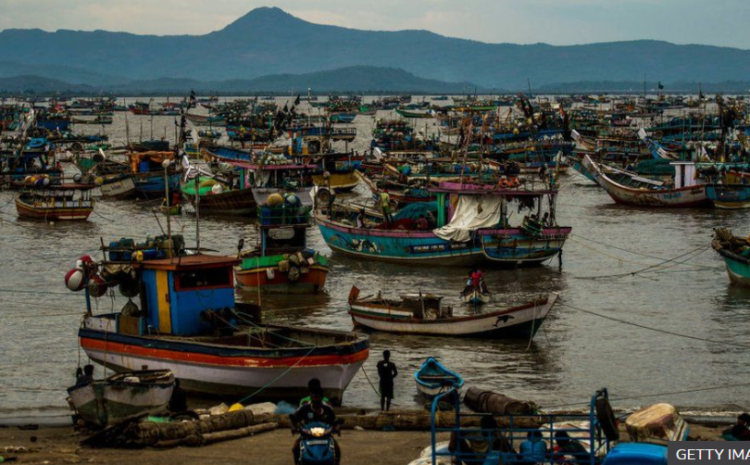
x=268 y=42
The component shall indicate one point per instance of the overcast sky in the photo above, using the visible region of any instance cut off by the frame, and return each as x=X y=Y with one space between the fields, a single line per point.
x=559 y=22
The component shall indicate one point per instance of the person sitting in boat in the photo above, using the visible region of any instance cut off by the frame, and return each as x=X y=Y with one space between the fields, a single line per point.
x=361 y=218
x=569 y=450
x=533 y=450
x=422 y=223
x=476 y=446
x=545 y=220
x=85 y=376
x=316 y=411
x=477 y=280
x=740 y=431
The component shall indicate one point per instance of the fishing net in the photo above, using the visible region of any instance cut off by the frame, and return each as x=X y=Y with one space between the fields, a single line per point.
x=415 y=211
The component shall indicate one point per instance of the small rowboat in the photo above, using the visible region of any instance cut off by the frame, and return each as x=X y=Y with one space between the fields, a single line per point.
x=65 y=202
x=433 y=379
x=424 y=314
x=476 y=297
x=171 y=210
x=122 y=396
x=735 y=251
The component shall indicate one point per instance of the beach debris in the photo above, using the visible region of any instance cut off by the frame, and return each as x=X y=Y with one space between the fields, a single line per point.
x=657 y=424
x=482 y=401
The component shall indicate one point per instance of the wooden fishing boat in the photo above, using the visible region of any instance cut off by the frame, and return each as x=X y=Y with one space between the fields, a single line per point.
x=115 y=178
x=476 y=297
x=186 y=321
x=464 y=239
x=63 y=202
x=170 y=210
x=282 y=262
x=216 y=198
x=150 y=178
x=729 y=196
x=628 y=188
x=425 y=314
x=433 y=379
x=399 y=193
x=736 y=254
x=122 y=397
x=415 y=114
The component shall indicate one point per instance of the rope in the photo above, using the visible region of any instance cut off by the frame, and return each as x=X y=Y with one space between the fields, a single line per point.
x=662 y=331
x=651 y=267
x=633 y=252
x=661 y=394
x=377 y=391
x=277 y=378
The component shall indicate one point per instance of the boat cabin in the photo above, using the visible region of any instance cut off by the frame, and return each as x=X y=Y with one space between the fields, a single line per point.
x=181 y=296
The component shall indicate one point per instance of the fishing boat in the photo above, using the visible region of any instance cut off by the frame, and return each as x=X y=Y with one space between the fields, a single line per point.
x=433 y=379
x=415 y=114
x=425 y=314
x=736 y=254
x=60 y=202
x=181 y=315
x=628 y=188
x=476 y=296
x=217 y=198
x=467 y=225
x=267 y=174
x=115 y=178
x=151 y=178
x=401 y=194
x=170 y=210
x=282 y=262
x=122 y=397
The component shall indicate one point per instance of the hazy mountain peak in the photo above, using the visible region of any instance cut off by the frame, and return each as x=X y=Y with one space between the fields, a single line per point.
x=262 y=17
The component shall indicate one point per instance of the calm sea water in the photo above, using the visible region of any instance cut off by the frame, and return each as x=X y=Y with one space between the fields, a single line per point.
x=575 y=353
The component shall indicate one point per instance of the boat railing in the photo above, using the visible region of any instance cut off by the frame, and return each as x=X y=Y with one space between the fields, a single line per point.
x=583 y=428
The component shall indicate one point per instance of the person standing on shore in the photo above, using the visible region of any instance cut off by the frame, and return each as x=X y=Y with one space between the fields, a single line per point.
x=387 y=372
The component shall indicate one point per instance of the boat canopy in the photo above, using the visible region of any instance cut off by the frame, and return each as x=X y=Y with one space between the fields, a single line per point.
x=472 y=213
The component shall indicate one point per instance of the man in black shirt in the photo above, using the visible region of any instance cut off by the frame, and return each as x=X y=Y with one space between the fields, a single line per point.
x=387 y=371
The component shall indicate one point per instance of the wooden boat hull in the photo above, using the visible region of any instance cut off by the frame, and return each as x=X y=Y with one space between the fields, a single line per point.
x=531 y=250
x=339 y=182
x=729 y=197
x=229 y=371
x=55 y=213
x=433 y=379
x=476 y=298
x=237 y=202
x=116 y=400
x=425 y=248
x=518 y=322
x=738 y=268
x=685 y=197
x=119 y=189
x=271 y=280
x=152 y=185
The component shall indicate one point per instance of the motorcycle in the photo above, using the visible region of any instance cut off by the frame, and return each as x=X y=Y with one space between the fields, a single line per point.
x=317 y=446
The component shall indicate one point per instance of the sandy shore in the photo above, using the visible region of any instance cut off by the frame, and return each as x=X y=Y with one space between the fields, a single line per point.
x=52 y=445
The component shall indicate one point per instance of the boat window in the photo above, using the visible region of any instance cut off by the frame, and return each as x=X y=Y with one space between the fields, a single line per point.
x=202 y=279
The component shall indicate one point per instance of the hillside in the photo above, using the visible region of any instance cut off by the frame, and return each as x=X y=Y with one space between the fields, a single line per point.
x=268 y=41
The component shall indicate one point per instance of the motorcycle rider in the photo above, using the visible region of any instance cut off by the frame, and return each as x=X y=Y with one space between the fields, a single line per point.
x=316 y=411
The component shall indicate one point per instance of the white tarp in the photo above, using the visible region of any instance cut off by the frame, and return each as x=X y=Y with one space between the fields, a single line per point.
x=472 y=212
